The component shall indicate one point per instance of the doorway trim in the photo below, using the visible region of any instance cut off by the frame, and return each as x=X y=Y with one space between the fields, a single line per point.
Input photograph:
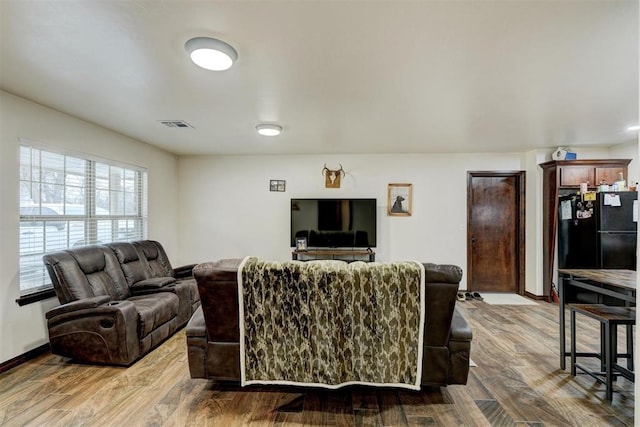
x=521 y=219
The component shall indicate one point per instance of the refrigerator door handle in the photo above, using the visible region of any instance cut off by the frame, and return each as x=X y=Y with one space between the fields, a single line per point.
x=617 y=232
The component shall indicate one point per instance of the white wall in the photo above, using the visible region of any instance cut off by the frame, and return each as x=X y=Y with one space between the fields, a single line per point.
x=533 y=219
x=24 y=328
x=233 y=213
x=628 y=151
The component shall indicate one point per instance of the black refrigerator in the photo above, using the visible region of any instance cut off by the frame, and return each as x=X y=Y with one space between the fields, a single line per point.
x=599 y=233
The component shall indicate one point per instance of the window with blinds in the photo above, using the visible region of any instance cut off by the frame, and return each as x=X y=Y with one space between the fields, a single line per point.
x=67 y=201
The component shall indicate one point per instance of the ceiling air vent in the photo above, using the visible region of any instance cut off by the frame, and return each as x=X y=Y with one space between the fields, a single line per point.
x=176 y=124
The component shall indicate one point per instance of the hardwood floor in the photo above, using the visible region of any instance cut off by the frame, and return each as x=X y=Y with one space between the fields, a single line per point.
x=517 y=383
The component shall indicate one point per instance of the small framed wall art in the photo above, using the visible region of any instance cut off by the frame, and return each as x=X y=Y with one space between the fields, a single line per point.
x=399 y=199
x=277 y=185
x=301 y=243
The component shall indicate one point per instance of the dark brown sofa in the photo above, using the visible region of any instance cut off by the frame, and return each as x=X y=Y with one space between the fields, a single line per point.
x=118 y=301
x=213 y=331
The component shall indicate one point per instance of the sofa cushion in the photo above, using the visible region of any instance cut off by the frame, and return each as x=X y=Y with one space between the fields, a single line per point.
x=155 y=257
x=69 y=282
x=134 y=267
x=101 y=270
x=102 y=284
x=90 y=259
x=106 y=277
x=154 y=310
x=153 y=283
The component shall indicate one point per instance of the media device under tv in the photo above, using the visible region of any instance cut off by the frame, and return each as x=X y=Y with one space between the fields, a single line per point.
x=334 y=223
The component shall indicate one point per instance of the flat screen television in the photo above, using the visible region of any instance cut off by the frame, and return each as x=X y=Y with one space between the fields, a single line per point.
x=334 y=223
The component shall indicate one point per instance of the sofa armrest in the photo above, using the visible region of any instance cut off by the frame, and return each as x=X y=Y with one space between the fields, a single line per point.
x=460 y=329
x=218 y=289
x=196 y=326
x=106 y=333
x=184 y=271
x=77 y=305
x=197 y=345
x=459 y=349
x=121 y=311
x=441 y=286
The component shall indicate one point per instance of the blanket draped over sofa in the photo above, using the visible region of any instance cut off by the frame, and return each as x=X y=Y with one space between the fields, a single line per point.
x=331 y=324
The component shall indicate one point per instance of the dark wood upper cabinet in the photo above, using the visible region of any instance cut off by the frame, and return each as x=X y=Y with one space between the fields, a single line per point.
x=573 y=176
x=611 y=174
x=561 y=175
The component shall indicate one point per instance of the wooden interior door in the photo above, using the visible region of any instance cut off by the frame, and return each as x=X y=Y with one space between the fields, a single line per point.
x=495 y=231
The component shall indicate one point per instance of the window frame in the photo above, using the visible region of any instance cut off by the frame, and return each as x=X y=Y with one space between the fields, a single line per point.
x=94 y=225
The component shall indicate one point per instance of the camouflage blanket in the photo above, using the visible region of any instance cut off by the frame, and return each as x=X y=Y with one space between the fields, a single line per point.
x=331 y=324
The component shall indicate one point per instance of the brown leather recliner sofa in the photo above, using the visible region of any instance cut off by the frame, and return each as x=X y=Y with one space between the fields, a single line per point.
x=118 y=301
x=213 y=331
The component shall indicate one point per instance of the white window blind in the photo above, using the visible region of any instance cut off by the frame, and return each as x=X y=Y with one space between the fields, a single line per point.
x=67 y=201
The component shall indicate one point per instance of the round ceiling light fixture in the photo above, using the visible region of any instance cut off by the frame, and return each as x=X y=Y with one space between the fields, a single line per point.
x=211 y=54
x=268 y=129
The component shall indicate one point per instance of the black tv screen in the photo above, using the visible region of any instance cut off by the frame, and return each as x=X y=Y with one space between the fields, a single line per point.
x=334 y=223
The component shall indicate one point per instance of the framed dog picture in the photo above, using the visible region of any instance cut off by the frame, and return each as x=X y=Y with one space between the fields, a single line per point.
x=399 y=199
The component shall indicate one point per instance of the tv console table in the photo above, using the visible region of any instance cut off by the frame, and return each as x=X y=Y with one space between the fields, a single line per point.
x=340 y=254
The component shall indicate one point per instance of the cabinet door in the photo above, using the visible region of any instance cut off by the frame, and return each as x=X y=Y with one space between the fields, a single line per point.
x=608 y=175
x=574 y=175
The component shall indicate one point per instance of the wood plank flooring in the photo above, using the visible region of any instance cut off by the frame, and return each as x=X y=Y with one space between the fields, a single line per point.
x=517 y=383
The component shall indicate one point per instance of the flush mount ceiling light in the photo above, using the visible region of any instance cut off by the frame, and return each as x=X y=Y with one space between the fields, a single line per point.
x=633 y=128
x=269 y=129
x=211 y=54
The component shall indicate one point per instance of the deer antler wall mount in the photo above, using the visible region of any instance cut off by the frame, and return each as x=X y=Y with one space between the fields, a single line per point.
x=332 y=177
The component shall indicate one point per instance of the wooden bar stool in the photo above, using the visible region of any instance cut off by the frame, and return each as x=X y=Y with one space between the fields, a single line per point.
x=609 y=318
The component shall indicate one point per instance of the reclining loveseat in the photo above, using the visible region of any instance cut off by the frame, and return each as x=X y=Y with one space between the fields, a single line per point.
x=213 y=338
x=118 y=301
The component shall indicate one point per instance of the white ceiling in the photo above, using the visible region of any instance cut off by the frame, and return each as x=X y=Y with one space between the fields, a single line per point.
x=340 y=76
